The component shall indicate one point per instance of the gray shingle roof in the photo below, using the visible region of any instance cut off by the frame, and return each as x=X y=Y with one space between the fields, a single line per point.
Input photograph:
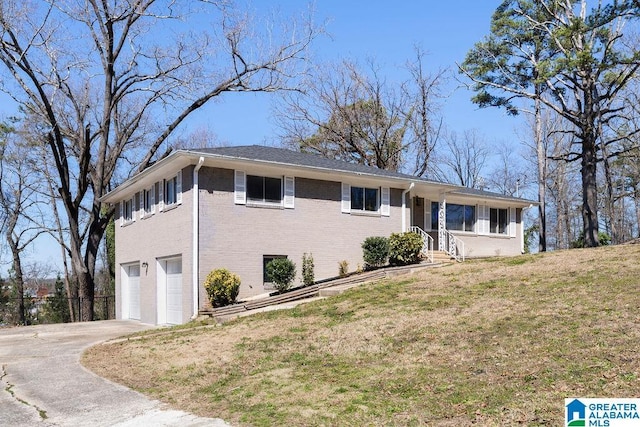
x=296 y=158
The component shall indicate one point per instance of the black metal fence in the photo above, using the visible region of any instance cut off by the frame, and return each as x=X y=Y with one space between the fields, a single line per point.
x=41 y=310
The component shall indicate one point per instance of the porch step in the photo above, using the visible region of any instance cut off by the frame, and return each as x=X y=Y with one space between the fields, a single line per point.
x=441 y=257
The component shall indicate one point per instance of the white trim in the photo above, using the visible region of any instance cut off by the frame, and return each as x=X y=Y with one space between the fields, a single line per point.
x=121 y=212
x=346 y=198
x=512 y=222
x=385 y=201
x=161 y=195
x=125 y=290
x=289 y=192
x=240 y=188
x=195 y=262
x=427 y=214
x=179 y=187
x=152 y=198
x=484 y=219
x=404 y=207
x=141 y=204
x=161 y=291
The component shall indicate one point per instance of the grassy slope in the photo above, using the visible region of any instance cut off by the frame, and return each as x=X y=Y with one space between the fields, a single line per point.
x=492 y=342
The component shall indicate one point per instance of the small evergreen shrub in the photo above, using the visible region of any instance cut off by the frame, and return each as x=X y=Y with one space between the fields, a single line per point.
x=222 y=287
x=281 y=271
x=375 y=252
x=56 y=309
x=343 y=268
x=308 y=275
x=404 y=248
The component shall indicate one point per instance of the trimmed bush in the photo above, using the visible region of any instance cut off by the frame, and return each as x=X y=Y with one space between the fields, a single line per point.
x=343 y=268
x=281 y=271
x=222 y=286
x=404 y=248
x=308 y=275
x=375 y=252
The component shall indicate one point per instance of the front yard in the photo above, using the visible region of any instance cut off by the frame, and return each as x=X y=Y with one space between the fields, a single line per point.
x=492 y=342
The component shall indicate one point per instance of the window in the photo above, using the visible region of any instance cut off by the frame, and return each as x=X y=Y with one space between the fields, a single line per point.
x=460 y=217
x=148 y=201
x=126 y=211
x=258 y=190
x=435 y=209
x=170 y=191
x=364 y=199
x=266 y=259
x=498 y=220
x=262 y=189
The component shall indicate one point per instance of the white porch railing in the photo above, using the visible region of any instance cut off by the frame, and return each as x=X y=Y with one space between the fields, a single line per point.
x=427 y=242
x=452 y=245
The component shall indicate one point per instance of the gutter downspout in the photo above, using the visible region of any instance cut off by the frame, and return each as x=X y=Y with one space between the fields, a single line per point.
x=404 y=206
x=195 y=265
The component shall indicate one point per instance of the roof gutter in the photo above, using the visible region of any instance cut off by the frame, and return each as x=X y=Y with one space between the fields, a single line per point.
x=404 y=206
x=196 y=239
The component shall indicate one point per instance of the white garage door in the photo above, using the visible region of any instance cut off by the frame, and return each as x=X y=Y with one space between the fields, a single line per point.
x=133 y=277
x=174 y=291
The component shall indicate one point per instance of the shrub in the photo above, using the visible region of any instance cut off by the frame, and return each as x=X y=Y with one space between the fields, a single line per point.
x=222 y=286
x=603 y=240
x=56 y=309
x=343 y=268
x=404 y=248
x=308 y=275
x=375 y=252
x=281 y=271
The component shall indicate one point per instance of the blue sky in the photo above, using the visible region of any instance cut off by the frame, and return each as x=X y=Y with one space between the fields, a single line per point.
x=387 y=32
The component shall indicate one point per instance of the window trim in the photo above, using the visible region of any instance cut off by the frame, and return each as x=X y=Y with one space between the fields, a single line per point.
x=474 y=228
x=147 y=202
x=163 y=194
x=241 y=191
x=265 y=282
x=496 y=229
x=128 y=215
x=383 y=200
x=253 y=201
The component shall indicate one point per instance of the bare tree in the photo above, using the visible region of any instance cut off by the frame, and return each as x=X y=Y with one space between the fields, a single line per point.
x=358 y=116
x=461 y=159
x=19 y=204
x=108 y=82
x=509 y=175
x=201 y=137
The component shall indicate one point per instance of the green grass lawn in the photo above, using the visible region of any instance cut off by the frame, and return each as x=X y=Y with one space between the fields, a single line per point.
x=486 y=342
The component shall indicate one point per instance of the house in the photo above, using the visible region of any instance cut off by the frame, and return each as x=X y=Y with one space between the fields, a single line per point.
x=240 y=207
x=576 y=411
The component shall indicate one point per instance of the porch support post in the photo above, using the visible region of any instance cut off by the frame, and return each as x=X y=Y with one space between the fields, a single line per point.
x=442 y=223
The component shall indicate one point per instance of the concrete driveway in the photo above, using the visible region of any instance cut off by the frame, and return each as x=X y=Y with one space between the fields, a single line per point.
x=42 y=381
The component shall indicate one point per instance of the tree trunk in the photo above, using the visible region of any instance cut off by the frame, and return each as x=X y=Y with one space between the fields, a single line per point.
x=542 y=178
x=636 y=200
x=589 y=193
x=615 y=221
x=18 y=278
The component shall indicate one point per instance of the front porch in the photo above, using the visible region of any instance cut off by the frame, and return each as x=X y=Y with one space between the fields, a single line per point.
x=428 y=218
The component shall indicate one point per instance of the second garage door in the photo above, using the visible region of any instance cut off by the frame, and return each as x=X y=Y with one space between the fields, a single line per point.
x=174 y=291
